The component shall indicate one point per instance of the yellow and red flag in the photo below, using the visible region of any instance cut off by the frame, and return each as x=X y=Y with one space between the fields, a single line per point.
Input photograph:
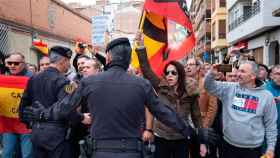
x=167 y=31
x=40 y=46
x=11 y=90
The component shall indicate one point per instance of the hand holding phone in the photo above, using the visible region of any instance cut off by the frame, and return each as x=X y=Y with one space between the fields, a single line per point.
x=224 y=68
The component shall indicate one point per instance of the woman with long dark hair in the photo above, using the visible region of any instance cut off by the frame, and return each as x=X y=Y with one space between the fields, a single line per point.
x=173 y=90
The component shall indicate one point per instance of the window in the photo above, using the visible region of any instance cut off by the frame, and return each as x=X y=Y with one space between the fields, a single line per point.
x=208 y=13
x=4 y=43
x=222 y=29
x=222 y=3
x=247 y=12
x=258 y=54
x=213 y=31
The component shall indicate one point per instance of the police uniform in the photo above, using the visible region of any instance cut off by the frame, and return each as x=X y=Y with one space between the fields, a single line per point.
x=49 y=86
x=116 y=102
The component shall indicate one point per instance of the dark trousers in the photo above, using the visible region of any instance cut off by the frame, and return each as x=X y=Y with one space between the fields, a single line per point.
x=117 y=155
x=277 y=148
x=171 y=148
x=62 y=151
x=194 y=149
x=230 y=151
x=213 y=151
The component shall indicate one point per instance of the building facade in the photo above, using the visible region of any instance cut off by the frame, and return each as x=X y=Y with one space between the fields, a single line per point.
x=127 y=19
x=218 y=29
x=200 y=12
x=251 y=23
x=49 y=20
x=123 y=16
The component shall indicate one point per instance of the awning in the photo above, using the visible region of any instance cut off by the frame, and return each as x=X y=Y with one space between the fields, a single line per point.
x=238 y=46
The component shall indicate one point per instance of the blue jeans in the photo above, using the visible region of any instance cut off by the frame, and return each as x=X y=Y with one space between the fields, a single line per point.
x=10 y=141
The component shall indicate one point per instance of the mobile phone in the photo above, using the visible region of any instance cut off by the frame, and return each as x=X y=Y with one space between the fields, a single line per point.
x=225 y=68
x=81 y=45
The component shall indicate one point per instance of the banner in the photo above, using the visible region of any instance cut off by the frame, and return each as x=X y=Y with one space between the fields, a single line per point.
x=168 y=33
x=99 y=29
x=11 y=90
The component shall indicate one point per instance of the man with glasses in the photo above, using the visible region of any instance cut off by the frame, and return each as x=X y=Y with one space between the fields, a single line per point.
x=274 y=87
x=192 y=68
x=15 y=63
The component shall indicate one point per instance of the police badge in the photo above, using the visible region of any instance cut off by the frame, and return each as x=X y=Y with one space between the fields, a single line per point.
x=70 y=88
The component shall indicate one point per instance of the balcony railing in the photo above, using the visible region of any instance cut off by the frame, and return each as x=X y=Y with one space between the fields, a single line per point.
x=222 y=35
x=254 y=10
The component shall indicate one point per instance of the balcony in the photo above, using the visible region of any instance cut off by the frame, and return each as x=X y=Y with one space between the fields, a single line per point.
x=255 y=20
x=222 y=35
x=276 y=12
x=255 y=9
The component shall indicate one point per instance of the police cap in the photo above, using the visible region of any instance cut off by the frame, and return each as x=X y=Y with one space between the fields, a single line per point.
x=63 y=51
x=116 y=42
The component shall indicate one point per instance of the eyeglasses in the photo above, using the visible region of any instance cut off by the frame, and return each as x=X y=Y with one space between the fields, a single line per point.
x=45 y=64
x=191 y=64
x=276 y=73
x=15 y=63
x=172 y=72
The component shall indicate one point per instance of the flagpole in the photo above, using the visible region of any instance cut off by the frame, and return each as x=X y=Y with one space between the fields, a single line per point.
x=141 y=21
x=140 y=24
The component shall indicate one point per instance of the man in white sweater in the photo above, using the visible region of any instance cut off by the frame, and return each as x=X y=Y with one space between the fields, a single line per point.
x=249 y=113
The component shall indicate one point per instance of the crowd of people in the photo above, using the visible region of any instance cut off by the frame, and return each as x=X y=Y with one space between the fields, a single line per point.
x=193 y=110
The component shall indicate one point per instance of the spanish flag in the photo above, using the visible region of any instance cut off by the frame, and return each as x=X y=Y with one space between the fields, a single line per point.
x=40 y=46
x=11 y=90
x=168 y=33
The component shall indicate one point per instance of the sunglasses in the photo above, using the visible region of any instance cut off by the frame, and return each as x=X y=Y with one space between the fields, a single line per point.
x=172 y=72
x=15 y=63
x=46 y=64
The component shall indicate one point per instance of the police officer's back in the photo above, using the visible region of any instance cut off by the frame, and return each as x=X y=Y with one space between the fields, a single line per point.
x=48 y=87
x=116 y=101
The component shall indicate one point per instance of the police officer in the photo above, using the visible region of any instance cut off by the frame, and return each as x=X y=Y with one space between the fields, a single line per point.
x=49 y=86
x=116 y=102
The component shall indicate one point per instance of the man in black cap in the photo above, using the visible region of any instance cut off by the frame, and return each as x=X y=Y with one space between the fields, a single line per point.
x=49 y=137
x=116 y=102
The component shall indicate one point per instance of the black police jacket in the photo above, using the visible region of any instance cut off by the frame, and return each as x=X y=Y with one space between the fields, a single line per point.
x=116 y=102
x=47 y=87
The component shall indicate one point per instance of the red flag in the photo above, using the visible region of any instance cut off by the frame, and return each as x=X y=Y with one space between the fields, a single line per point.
x=160 y=19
